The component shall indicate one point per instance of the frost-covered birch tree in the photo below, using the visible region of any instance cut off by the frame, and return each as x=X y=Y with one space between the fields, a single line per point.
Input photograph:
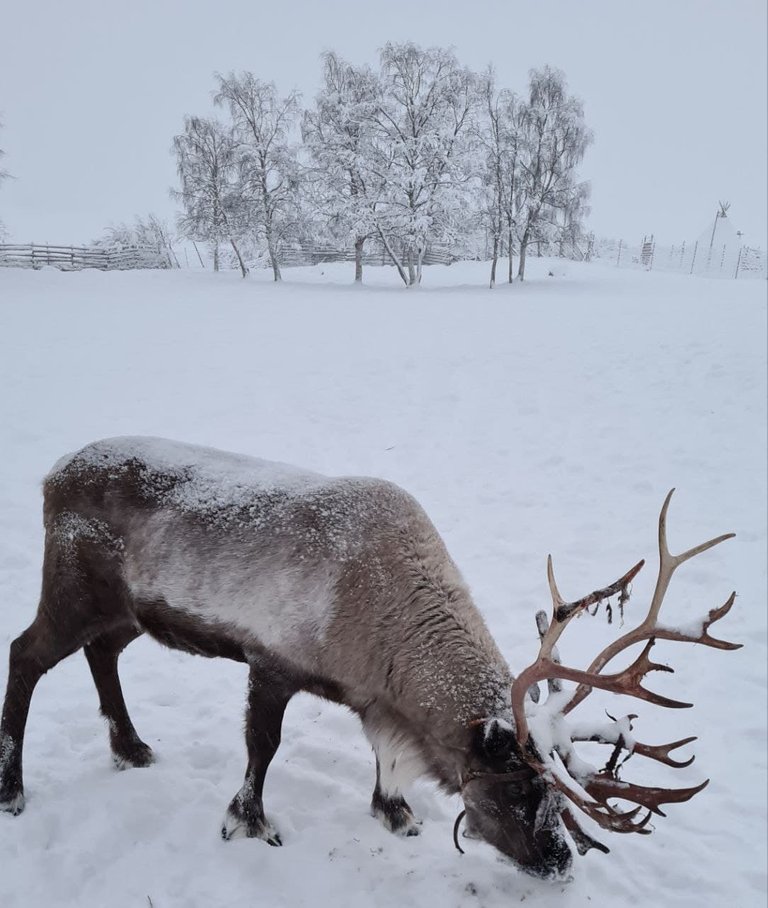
x=421 y=136
x=206 y=162
x=338 y=135
x=499 y=133
x=267 y=161
x=423 y=151
x=554 y=139
x=569 y=214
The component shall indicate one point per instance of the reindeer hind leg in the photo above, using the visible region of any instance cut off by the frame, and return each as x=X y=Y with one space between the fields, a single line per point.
x=32 y=654
x=269 y=691
x=102 y=655
x=82 y=598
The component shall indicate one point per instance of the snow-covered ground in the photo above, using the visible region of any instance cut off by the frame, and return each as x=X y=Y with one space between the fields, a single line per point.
x=549 y=417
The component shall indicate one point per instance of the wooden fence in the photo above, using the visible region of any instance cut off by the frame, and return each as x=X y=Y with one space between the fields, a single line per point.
x=74 y=258
x=374 y=254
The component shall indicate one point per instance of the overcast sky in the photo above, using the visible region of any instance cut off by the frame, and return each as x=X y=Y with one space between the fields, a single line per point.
x=91 y=94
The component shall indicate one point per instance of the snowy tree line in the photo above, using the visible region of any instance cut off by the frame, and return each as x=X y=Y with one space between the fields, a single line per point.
x=417 y=152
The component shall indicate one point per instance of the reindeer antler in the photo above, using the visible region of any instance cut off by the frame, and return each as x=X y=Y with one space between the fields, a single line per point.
x=590 y=790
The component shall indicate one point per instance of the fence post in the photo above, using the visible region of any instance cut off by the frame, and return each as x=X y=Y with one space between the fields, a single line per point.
x=618 y=257
x=696 y=246
x=738 y=262
x=722 y=257
x=682 y=254
x=33 y=254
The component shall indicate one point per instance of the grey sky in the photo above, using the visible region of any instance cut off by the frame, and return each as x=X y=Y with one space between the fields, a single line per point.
x=91 y=94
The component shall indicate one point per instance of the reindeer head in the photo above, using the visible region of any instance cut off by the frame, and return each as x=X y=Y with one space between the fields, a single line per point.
x=510 y=805
x=534 y=768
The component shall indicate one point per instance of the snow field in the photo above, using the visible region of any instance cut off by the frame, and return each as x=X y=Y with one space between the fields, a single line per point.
x=548 y=417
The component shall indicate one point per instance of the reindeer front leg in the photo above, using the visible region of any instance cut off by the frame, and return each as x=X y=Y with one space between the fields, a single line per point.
x=268 y=696
x=398 y=763
x=390 y=807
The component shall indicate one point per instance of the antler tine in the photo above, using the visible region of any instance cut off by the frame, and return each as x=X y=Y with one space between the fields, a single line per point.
x=603 y=813
x=715 y=614
x=557 y=599
x=668 y=563
x=561 y=615
x=626 y=681
x=601 y=787
x=661 y=752
x=616 y=739
x=542 y=625
x=649 y=627
x=564 y=611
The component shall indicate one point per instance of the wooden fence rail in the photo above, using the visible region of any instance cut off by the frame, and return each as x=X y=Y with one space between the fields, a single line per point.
x=372 y=255
x=74 y=258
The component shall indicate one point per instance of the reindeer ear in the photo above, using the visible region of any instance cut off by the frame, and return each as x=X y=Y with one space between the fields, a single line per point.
x=497 y=738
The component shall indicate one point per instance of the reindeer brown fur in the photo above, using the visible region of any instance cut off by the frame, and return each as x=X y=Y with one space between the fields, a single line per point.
x=339 y=587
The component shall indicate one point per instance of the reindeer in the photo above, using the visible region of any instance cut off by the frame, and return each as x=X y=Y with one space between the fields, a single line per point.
x=342 y=588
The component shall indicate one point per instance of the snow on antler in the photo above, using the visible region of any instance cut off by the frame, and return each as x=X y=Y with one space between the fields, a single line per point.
x=547 y=740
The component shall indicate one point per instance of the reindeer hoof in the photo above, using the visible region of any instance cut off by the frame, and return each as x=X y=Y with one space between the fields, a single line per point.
x=14 y=806
x=139 y=754
x=395 y=815
x=236 y=826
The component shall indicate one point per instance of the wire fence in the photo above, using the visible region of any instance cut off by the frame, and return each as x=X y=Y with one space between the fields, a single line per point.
x=700 y=257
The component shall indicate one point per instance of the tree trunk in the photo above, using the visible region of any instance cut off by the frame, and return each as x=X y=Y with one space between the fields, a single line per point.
x=523 y=250
x=494 y=259
x=269 y=236
x=243 y=269
x=216 y=255
x=511 y=275
x=395 y=260
x=273 y=254
x=420 y=264
x=359 y=259
x=411 y=269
